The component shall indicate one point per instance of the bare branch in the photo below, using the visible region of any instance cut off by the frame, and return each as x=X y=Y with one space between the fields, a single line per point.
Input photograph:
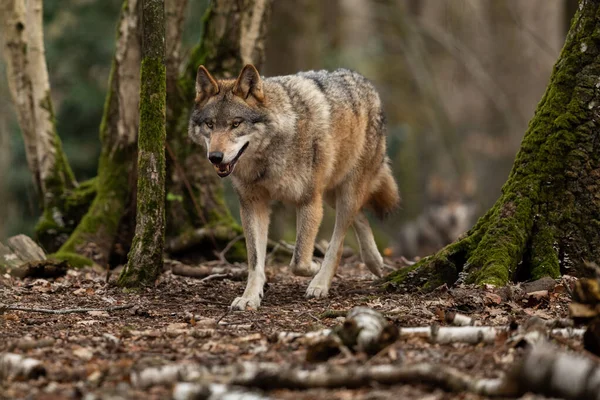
x=63 y=311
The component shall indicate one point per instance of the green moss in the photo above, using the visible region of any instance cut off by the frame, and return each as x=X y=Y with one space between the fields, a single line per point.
x=145 y=260
x=548 y=199
x=57 y=223
x=75 y=260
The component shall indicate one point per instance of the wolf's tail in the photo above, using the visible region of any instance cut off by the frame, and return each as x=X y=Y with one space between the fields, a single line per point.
x=385 y=197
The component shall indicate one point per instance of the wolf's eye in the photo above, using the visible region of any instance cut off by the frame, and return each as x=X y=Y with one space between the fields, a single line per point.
x=236 y=123
x=209 y=124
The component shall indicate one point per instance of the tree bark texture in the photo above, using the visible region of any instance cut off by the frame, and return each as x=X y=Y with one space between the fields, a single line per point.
x=22 y=31
x=94 y=237
x=233 y=34
x=546 y=221
x=145 y=259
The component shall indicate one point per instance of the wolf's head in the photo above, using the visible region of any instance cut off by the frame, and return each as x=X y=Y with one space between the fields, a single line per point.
x=227 y=116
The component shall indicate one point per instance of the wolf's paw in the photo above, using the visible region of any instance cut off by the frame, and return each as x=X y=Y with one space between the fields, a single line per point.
x=244 y=303
x=306 y=270
x=317 y=292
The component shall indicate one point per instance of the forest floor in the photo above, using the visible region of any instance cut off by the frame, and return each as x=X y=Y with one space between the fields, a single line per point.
x=92 y=355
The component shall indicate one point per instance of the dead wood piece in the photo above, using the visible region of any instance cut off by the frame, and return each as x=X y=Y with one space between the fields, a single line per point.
x=480 y=334
x=196 y=238
x=15 y=366
x=366 y=330
x=169 y=374
x=269 y=376
x=25 y=248
x=8 y=259
x=193 y=391
x=457 y=319
x=41 y=269
x=290 y=337
x=453 y=334
x=552 y=372
x=203 y=272
x=4 y=307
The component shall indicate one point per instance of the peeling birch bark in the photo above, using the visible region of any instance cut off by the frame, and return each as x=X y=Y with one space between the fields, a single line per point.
x=552 y=372
x=29 y=85
x=193 y=391
x=269 y=376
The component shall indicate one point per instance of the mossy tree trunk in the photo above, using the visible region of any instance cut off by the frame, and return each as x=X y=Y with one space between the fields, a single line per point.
x=547 y=220
x=145 y=260
x=94 y=237
x=197 y=218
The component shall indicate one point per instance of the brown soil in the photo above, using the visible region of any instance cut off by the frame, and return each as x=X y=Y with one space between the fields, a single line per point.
x=94 y=353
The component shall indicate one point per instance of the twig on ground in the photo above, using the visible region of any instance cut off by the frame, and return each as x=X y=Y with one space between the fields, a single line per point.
x=234 y=276
x=222 y=254
x=63 y=311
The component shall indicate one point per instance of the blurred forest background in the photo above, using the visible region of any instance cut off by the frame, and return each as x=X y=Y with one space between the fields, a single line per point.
x=460 y=80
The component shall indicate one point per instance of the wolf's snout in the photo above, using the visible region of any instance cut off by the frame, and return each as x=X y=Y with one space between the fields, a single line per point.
x=215 y=157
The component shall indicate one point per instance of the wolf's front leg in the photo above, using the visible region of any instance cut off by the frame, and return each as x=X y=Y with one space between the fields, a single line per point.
x=255 y=221
x=308 y=220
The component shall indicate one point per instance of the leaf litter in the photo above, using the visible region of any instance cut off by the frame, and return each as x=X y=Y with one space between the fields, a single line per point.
x=183 y=320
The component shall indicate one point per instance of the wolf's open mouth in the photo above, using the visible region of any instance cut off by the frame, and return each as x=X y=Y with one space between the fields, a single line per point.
x=224 y=170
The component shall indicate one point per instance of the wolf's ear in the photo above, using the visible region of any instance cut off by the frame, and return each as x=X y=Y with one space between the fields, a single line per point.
x=249 y=83
x=206 y=86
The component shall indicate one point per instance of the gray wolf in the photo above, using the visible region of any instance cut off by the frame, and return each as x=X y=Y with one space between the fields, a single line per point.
x=302 y=139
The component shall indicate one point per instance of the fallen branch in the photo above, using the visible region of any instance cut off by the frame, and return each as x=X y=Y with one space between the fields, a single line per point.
x=41 y=269
x=63 y=311
x=194 y=391
x=15 y=366
x=440 y=335
x=555 y=373
x=473 y=334
x=221 y=255
x=453 y=334
x=457 y=319
x=203 y=272
x=197 y=237
x=269 y=376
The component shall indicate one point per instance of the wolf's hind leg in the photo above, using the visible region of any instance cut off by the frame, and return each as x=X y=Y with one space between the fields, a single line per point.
x=346 y=206
x=308 y=220
x=255 y=221
x=366 y=243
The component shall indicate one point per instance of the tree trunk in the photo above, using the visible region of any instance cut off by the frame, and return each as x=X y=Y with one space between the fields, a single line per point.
x=101 y=232
x=27 y=73
x=233 y=34
x=94 y=237
x=145 y=259
x=546 y=221
x=5 y=160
